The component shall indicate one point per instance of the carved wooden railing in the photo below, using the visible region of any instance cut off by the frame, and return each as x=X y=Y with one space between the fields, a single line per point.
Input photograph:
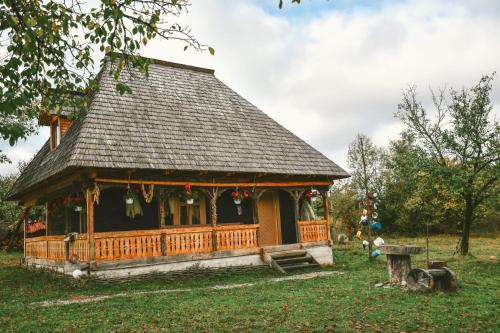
x=188 y=240
x=36 y=247
x=146 y=243
x=236 y=237
x=55 y=247
x=173 y=241
x=79 y=248
x=314 y=231
x=127 y=244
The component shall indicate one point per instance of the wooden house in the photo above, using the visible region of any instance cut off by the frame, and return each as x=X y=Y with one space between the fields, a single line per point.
x=181 y=173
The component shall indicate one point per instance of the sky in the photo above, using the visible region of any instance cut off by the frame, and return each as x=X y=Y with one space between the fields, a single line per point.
x=327 y=70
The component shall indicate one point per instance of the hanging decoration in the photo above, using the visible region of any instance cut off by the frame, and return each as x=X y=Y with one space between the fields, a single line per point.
x=236 y=195
x=187 y=195
x=148 y=192
x=376 y=226
x=133 y=206
x=378 y=242
x=95 y=193
x=359 y=235
x=75 y=203
x=369 y=220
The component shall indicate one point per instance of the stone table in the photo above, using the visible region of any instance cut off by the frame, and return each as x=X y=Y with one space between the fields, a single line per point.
x=399 y=260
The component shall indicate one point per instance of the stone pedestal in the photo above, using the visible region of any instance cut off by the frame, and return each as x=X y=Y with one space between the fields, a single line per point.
x=399 y=261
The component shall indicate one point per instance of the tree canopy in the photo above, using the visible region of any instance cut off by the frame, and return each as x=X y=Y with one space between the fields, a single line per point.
x=48 y=51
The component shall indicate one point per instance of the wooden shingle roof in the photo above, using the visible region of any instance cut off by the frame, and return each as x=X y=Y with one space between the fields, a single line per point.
x=178 y=118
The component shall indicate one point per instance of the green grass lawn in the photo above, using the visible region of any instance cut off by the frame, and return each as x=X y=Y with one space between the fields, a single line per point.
x=338 y=303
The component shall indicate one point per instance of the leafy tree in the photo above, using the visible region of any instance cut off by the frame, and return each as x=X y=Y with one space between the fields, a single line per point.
x=344 y=208
x=461 y=145
x=409 y=200
x=9 y=211
x=366 y=165
x=48 y=49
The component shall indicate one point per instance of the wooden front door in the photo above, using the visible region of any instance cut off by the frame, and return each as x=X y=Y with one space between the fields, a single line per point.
x=268 y=209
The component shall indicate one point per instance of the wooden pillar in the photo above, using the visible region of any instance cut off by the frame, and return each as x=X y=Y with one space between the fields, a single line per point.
x=90 y=225
x=161 y=207
x=326 y=212
x=213 y=216
x=296 y=195
x=46 y=229
x=25 y=227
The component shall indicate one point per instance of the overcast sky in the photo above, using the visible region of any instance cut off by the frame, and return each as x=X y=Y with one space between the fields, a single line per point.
x=327 y=70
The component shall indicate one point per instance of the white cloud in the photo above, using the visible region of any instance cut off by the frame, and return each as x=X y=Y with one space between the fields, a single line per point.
x=331 y=75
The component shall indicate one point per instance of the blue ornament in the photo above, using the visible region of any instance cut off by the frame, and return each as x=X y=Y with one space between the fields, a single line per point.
x=376 y=253
x=376 y=226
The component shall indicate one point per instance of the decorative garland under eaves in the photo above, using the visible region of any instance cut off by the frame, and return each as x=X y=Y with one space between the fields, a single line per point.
x=148 y=194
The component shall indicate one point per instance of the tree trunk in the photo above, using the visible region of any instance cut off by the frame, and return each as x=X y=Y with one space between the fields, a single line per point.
x=469 y=208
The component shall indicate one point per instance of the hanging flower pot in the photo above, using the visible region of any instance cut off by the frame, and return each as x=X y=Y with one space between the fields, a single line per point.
x=130 y=196
x=236 y=197
x=190 y=201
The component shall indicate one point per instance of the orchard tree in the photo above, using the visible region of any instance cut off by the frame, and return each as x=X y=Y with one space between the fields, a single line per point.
x=461 y=144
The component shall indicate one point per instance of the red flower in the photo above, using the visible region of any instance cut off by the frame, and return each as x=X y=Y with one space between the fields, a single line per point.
x=308 y=194
x=246 y=194
x=66 y=201
x=187 y=187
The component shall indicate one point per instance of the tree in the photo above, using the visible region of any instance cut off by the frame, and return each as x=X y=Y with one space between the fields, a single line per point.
x=344 y=209
x=410 y=203
x=366 y=165
x=461 y=145
x=48 y=49
x=365 y=162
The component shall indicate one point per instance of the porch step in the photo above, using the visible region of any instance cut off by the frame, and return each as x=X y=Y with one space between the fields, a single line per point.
x=288 y=254
x=284 y=261
x=293 y=260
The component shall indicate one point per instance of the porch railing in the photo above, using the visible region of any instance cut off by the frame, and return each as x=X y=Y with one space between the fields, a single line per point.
x=147 y=243
x=314 y=231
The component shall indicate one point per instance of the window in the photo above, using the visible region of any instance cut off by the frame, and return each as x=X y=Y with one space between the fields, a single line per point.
x=55 y=134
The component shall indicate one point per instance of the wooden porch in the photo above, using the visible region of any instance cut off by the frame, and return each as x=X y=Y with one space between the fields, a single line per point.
x=122 y=245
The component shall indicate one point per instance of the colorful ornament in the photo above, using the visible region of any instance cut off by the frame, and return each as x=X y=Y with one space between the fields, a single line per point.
x=376 y=226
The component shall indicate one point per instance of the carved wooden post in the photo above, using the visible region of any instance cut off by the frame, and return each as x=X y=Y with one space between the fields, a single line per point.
x=213 y=216
x=296 y=194
x=255 y=195
x=326 y=212
x=90 y=226
x=46 y=230
x=25 y=227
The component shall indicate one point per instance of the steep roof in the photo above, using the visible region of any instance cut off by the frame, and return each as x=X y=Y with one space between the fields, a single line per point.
x=178 y=118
